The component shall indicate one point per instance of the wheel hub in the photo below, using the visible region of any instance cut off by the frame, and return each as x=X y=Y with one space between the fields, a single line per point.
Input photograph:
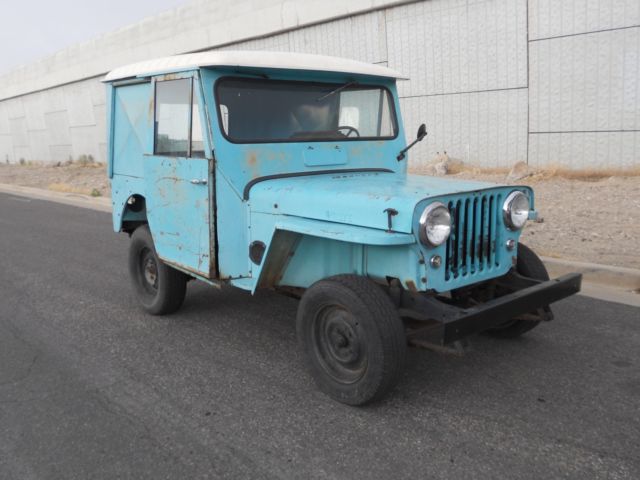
x=339 y=345
x=150 y=270
x=343 y=341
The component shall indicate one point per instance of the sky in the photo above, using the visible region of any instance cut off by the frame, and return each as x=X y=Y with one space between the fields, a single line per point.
x=30 y=30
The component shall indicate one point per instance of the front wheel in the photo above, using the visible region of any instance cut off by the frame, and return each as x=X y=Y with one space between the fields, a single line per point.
x=159 y=288
x=352 y=338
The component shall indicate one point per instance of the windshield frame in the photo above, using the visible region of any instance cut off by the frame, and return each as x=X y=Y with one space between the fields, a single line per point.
x=372 y=86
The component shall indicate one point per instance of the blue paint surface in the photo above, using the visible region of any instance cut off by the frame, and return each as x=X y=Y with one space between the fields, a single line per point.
x=178 y=210
x=323 y=224
x=355 y=198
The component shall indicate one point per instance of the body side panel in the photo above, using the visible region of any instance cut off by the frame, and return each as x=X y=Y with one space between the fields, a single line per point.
x=233 y=230
x=130 y=124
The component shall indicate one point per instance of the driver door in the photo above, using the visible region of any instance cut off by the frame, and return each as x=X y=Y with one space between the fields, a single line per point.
x=179 y=177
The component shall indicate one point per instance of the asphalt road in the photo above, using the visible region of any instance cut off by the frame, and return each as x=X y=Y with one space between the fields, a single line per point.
x=90 y=387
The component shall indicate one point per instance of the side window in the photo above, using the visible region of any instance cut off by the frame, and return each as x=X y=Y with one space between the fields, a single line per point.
x=178 y=131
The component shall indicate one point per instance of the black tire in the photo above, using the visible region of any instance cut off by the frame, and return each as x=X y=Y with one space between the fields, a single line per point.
x=528 y=265
x=352 y=338
x=160 y=288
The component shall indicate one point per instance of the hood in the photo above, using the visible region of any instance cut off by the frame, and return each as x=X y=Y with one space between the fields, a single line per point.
x=359 y=198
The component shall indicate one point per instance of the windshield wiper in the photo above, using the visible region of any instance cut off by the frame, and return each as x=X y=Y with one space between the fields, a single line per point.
x=340 y=88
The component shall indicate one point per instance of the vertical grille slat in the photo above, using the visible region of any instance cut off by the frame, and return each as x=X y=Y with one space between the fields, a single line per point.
x=472 y=246
x=485 y=232
x=450 y=242
x=492 y=232
x=474 y=235
x=469 y=234
x=460 y=236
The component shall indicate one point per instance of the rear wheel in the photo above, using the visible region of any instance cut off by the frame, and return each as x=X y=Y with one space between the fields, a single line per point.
x=159 y=288
x=352 y=338
x=528 y=265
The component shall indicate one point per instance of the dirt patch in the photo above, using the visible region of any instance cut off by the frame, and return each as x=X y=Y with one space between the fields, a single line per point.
x=89 y=179
x=589 y=218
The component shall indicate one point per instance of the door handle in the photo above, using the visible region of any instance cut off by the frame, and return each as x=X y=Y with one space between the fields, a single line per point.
x=196 y=181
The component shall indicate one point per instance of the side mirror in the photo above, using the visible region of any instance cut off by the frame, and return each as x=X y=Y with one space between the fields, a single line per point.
x=422 y=131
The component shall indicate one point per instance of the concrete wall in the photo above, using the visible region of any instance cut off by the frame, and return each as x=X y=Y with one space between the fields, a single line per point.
x=584 y=83
x=496 y=81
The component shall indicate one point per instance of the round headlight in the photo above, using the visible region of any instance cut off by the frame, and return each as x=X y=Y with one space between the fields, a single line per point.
x=515 y=210
x=435 y=224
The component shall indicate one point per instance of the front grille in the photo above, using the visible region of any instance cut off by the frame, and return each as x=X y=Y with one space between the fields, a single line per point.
x=471 y=247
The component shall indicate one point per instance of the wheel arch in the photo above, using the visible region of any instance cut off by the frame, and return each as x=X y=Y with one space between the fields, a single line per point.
x=133 y=213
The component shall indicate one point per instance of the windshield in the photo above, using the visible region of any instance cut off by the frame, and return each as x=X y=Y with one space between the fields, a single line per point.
x=259 y=110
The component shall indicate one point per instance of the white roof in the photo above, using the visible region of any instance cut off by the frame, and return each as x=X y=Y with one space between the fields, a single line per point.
x=282 y=60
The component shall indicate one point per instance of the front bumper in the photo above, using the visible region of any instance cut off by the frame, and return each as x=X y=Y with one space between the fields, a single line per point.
x=446 y=323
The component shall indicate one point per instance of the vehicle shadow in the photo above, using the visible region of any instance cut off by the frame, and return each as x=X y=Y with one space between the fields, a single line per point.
x=263 y=325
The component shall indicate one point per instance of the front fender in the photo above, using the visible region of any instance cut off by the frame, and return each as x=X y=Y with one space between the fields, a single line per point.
x=300 y=251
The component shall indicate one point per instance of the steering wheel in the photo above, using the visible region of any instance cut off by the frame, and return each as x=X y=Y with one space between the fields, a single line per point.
x=349 y=130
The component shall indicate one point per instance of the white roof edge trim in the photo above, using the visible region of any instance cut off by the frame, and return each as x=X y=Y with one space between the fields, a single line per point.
x=251 y=59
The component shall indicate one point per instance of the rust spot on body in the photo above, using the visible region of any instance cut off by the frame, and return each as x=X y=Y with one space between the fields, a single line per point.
x=252 y=164
x=411 y=286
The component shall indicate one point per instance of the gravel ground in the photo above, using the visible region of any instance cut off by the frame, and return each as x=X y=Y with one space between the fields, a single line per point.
x=586 y=220
x=87 y=179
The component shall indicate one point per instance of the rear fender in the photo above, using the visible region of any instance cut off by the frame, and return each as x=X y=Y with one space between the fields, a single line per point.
x=127 y=196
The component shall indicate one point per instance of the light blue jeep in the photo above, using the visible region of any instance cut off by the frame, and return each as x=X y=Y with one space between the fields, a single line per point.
x=289 y=172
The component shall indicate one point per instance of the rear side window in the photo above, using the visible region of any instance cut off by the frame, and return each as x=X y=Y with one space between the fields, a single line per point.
x=178 y=132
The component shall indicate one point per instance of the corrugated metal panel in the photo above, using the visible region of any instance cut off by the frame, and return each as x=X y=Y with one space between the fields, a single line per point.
x=552 y=18
x=4 y=119
x=586 y=82
x=21 y=152
x=34 y=111
x=39 y=147
x=84 y=141
x=275 y=43
x=18 y=128
x=79 y=104
x=6 y=149
x=60 y=153
x=361 y=38
x=58 y=129
x=14 y=107
x=458 y=46
x=585 y=150
x=37 y=126
x=485 y=128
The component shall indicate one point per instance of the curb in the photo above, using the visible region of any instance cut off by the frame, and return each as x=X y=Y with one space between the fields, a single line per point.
x=605 y=275
x=75 y=199
x=593 y=273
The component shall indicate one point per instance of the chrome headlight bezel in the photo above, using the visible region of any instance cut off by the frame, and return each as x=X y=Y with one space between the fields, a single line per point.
x=508 y=211
x=427 y=218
